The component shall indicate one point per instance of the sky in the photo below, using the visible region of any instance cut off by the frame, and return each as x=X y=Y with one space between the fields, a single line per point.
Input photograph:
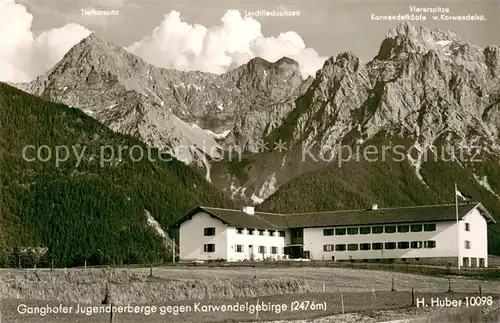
x=216 y=36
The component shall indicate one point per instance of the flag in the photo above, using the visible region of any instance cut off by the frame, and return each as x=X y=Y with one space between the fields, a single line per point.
x=462 y=195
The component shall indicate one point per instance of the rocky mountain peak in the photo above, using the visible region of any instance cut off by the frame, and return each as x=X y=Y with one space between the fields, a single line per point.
x=347 y=61
x=94 y=46
x=408 y=30
x=283 y=68
x=258 y=63
x=407 y=38
x=335 y=68
x=330 y=61
x=103 y=50
x=287 y=62
x=277 y=80
x=94 y=39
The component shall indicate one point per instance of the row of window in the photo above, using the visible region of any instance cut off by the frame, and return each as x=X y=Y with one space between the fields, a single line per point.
x=430 y=244
x=210 y=247
x=349 y=231
x=261 y=232
x=261 y=249
x=272 y=233
x=381 y=229
x=380 y=246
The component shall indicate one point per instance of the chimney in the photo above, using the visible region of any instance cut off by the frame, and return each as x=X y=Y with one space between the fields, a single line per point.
x=374 y=207
x=249 y=210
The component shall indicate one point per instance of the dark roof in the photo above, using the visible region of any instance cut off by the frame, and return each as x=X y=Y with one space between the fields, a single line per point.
x=264 y=220
x=238 y=218
x=384 y=216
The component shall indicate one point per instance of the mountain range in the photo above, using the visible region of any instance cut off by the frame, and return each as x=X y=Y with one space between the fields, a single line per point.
x=427 y=107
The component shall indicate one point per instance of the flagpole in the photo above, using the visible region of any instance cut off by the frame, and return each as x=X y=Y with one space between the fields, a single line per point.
x=458 y=228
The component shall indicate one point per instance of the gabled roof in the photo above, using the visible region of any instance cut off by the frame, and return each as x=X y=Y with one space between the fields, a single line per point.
x=484 y=212
x=413 y=214
x=238 y=218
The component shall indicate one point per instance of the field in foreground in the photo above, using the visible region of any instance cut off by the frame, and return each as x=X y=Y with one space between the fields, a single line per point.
x=307 y=292
x=347 y=279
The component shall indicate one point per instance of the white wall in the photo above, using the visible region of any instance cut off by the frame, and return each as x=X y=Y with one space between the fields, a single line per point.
x=192 y=239
x=233 y=239
x=445 y=237
x=477 y=236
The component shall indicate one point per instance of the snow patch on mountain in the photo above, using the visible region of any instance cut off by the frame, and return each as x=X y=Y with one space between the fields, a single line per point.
x=416 y=161
x=181 y=85
x=207 y=169
x=196 y=87
x=237 y=191
x=255 y=199
x=268 y=188
x=221 y=135
x=151 y=221
x=443 y=43
x=483 y=181
x=189 y=143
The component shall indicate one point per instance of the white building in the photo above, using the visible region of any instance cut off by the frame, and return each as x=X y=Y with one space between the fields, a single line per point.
x=212 y=234
x=425 y=234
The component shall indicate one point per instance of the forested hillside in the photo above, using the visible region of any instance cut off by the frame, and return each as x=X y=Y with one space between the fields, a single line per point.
x=90 y=210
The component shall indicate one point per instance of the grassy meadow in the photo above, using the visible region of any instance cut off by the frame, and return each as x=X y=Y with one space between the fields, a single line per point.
x=307 y=292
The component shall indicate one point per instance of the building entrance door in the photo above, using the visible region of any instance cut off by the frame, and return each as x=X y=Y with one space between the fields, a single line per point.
x=294 y=252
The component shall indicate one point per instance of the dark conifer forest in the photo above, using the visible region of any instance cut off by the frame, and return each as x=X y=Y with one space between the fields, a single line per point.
x=84 y=212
